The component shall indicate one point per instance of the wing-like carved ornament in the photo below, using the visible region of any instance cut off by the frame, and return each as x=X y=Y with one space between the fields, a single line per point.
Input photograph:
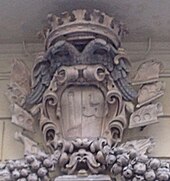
x=61 y=53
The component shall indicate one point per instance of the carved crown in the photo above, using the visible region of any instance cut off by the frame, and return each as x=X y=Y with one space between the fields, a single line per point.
x=83 y=25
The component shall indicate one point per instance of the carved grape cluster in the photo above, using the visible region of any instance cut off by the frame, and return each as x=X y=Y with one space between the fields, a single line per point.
x=32 y=168
x=132 y=166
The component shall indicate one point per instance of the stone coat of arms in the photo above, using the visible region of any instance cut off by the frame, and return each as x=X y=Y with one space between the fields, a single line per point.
x=79 y=97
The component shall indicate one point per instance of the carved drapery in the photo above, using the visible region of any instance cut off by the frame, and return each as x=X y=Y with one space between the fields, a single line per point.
x=82 y=101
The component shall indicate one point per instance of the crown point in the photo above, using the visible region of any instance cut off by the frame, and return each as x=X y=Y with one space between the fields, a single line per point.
x=79 y=14
x=96 y=16
x=107 y=20
x=65 y=17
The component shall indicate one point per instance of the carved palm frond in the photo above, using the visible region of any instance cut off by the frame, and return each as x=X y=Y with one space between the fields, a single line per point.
x=20 y=83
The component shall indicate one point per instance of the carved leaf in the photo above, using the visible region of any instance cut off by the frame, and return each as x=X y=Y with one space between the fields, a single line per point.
x=19 y=85
x=147 y=72
x=20 y=75
x=141 y=146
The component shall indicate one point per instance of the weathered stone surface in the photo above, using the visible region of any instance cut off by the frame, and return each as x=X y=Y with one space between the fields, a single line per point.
x=150 y=92
x=22 y=118
x=146 y=115
x=142 y=146
x=11 y=148
x=148 y=72
x=83 y=178
x=81 y=101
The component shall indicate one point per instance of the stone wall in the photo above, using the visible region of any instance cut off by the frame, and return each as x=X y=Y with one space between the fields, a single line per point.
x=137 y=51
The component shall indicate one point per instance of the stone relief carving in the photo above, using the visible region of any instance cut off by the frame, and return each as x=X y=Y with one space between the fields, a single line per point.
x=19 y=85
x=22 y=118
x=142 y=146
x=30 y=146
x=148 y=72
x=146 y=115
x=81 y=99
x=150 y=92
